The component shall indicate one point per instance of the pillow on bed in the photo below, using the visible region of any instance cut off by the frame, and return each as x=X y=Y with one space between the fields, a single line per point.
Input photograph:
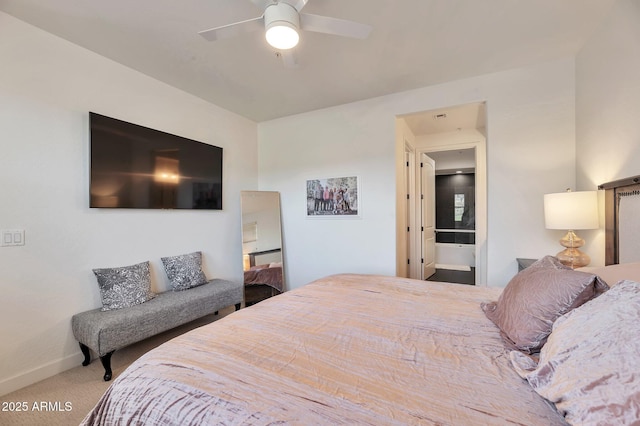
x=536 y=297
x=184 y=271
x=258 y=267
x=125 y=286
x=589 y=366
x=613 y=274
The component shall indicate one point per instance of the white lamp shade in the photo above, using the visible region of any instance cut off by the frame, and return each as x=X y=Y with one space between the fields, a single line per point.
x=571 y=210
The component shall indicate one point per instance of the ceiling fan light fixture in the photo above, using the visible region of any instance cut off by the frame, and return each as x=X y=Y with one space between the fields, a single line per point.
x=282 y=22
x=282 y=36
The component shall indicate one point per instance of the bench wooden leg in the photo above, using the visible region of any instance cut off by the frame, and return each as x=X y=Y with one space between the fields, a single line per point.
x=106 y=363
x=86 y=353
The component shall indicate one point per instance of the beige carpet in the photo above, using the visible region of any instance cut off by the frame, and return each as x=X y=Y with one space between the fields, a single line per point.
x=67 y=397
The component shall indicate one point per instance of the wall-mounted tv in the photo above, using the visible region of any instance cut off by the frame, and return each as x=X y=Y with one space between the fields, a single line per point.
x=140 y=168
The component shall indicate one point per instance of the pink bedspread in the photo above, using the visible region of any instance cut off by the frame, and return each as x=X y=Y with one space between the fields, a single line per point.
x=269 y=276
x=347 y=349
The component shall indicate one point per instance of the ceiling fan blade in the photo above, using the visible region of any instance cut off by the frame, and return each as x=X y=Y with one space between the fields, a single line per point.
x=233 y=30
x=289 y=58
x=297 y=4
x=327 y=25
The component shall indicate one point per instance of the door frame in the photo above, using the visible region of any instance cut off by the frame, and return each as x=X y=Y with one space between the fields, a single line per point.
x=413 y=267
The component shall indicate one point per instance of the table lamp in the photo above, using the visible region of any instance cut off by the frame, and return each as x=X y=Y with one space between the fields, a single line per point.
x=571 y=211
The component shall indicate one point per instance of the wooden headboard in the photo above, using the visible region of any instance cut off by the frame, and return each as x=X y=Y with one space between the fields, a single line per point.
x=265 y=256
x=621 y=230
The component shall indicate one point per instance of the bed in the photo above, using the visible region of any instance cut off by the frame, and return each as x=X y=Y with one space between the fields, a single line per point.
x=556 y=346
x=264 y=278
x=347 y=349
x=262 y=282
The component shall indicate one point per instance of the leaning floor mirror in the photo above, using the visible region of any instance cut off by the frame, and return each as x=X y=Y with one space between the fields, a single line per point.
x=262 y=253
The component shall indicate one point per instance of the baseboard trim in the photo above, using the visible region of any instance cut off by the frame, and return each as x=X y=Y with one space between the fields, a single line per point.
x=35 y=375
x=466 y=268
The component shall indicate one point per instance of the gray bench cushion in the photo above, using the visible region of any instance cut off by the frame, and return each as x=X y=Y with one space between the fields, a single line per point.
x=106 y=331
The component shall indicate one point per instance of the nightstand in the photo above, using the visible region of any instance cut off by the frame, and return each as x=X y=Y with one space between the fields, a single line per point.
x=524 y=263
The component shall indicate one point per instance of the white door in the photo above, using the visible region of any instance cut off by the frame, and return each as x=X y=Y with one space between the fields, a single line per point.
x=428 y=214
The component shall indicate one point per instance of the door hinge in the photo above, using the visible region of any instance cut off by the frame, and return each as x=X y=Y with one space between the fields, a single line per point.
x=421 y=260
x=408 y=197
x=422 y=228
x=408 y=261
x=421 y=164
x=422 y=196
x=407 y=164
x=408 y=229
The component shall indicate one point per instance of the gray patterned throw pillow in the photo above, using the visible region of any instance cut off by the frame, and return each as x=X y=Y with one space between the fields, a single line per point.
x=124 y=286
x=184 y=271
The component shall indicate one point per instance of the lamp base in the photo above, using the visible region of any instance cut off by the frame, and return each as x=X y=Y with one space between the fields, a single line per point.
x=572 y=256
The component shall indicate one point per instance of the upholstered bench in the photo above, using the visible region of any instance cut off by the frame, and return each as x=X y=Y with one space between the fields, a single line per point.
x=106 y=331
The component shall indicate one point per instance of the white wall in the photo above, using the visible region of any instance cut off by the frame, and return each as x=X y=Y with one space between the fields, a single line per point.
x=608 y=108
x=530 y=148
x=47 y=87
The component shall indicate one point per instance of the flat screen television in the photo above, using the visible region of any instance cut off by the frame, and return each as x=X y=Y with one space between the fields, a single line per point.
x=140 y=168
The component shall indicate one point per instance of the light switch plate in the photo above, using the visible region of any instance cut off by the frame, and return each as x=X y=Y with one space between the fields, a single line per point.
x=11 y=237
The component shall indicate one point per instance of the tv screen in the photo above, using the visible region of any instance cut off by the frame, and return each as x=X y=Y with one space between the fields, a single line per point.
x=140 y=168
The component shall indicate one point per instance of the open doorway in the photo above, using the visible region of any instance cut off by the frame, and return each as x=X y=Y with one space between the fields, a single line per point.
x=455 y=140
x=455 y=216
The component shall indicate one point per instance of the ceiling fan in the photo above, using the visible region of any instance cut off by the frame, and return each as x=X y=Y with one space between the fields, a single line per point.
x=282 y=22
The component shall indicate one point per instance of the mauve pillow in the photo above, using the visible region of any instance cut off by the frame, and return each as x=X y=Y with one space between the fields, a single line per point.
x=589 y=367
x=536 y=297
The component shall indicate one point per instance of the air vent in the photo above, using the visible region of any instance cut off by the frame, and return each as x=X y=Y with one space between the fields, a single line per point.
x=440 y=116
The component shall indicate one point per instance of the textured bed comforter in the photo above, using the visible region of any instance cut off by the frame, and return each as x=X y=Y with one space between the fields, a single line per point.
x=265 y=275
x=347 y=349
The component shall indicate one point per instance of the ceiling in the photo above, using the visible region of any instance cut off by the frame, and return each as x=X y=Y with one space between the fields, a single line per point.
x=454 y=161
x=448 y=119
x=414 y=43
